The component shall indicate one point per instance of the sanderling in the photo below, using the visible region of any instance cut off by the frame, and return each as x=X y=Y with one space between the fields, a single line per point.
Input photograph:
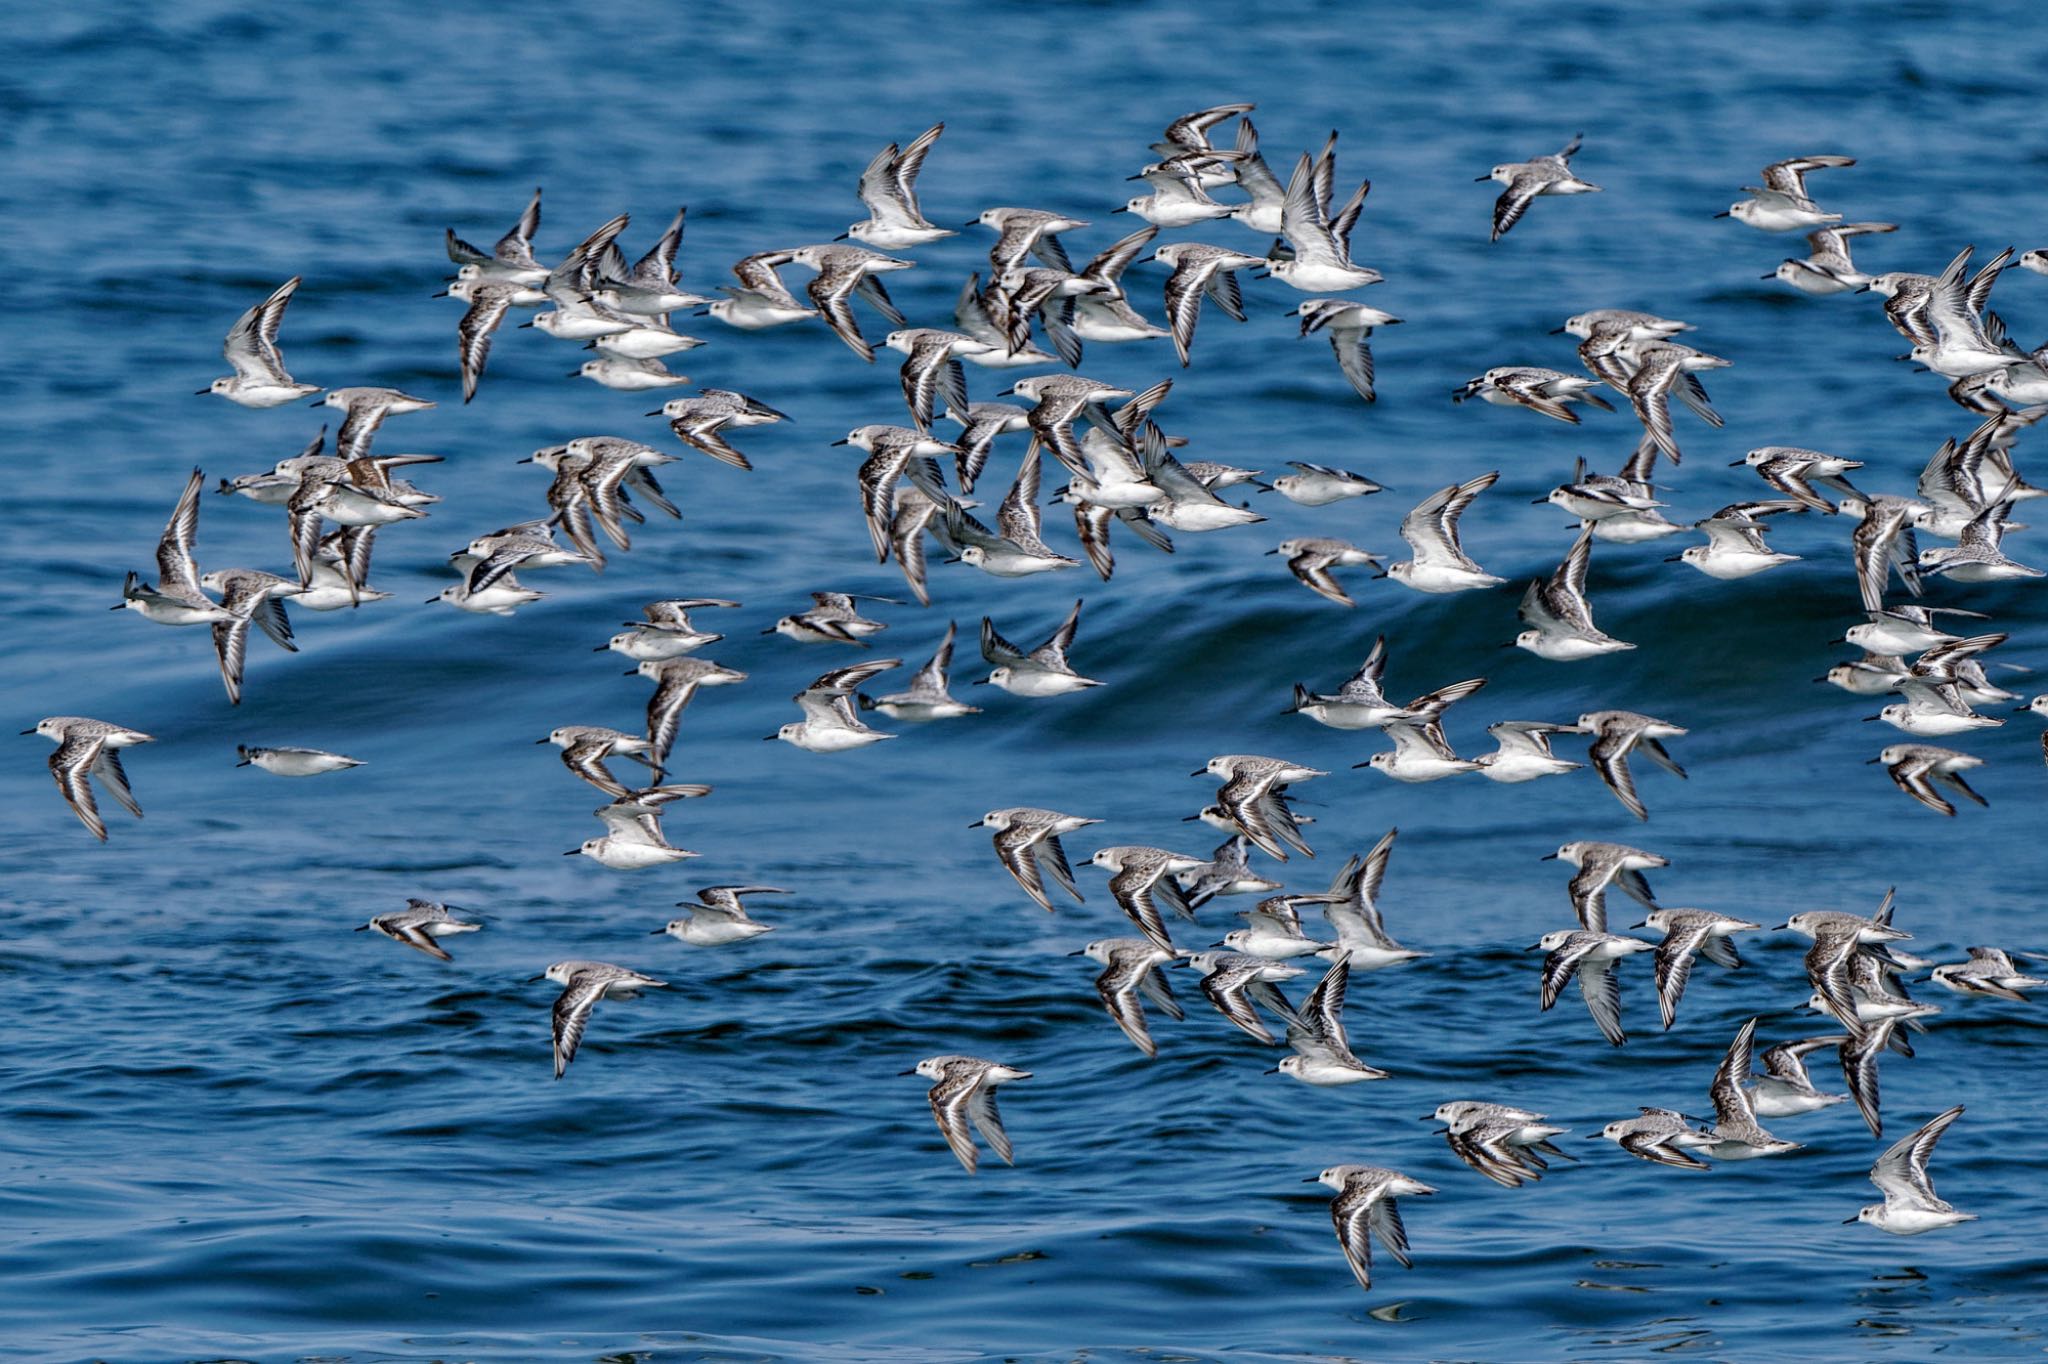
x=1524 y=753
x=634 y=839
x=1044 y=671
x=1317 y=258
x=365 y=410
x=1141 y=879
x=1590 y=956
x=1663 y=368
x=1228 y=872
x=1107 y=315
x=1900 y=630
x=1352 y=907
x=1431 y=530
x=666 y=632
x=1505 y=1144
x=676 y=681
x=247 y=595
x=583 y=984
x=260 y=378
x=927 y=697
x=1273 y=929
x=585 y=747
x=1618 y=733
x=1129 y=971
x=762 y=300
x=1421 y=753
x=1914 y=768
x=287 y=761
x=1781 y=203
x=1989 y=971
x=1359 y=703
x=1364 y=1208
x=1837 y=937
x=1785 y=1089
x=629 y=376
x=1310 y=559
x=719 y=917
x=984 y=314
x=1019 y=549
x=1233 y=981
x=1027 y=842
x=1660 y=1136
x=831 y=724
x=1601 y=865
x=1689 y=931
x=833 y=619
x=1322 y=1052
x=1525 y=180
x=418 y=924
x=1349 y=326
x=1252 y=798
x=964 y=1089
x=510 y=260
x=931 y=369
x=1026 y=230
x=176 y=599
x=1910 y=1204
x=1735 y=545
x=1977 y=557
x=1318 y=485
x=1737 y=1134
x=87 y=749
x=1178 y=198
x=1199 y=270
x=889 y=189
x=698 y=422
x=1548 y=391
x=844 y=271
x=1827 y=268
x=488 y=304
x=982 y=423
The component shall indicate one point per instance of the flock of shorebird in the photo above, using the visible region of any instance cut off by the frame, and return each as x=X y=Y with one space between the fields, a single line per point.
x=1123 y=472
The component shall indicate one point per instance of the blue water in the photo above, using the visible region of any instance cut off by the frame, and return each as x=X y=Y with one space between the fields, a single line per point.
x=231 y=1126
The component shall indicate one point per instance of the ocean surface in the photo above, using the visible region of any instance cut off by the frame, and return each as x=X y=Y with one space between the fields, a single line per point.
x=232 y=1127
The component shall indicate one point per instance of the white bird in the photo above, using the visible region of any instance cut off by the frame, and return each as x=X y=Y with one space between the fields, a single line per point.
x=583 y=984
x=831 y=723
x=1559 y=613
x=1431 y=530
x=260 y=378
x=419 y=924
x=1781 y=203
x=719 y=917
x=927 y=698
x=1525 y=181
x=1910 y=1204
x=964 y=1091
x=1618 y=733
x=1044 y=671
x=1524 y=752
x=1590 y=956
x=86 y=749
x=1364 y=1208
x=1352 y=907
x=1735 y=545
x=889 y=189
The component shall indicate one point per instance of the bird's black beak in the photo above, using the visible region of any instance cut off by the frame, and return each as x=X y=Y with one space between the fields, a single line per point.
x=911 y=1071
x=842 y=442
x=1554 y=331
x=1644 y=924
x=598 y=650
x=362 y=928
x=201 y=392
x=1737 y=463
x=1270 y=1070
x=1872 y=762
x=1847 y=1220
x=543 y=741
x=657 y=932
x=1481 y=179
x=1725 y=213
x=1774 y=275
x=1674 y=558
x=527 y=323
x=1548 y=857
x=978 y=824
x=768 y=738
x=317 y=402
x=842 y=236
x=1538 y=501
x=571 y=853
x=1079 y=952
x=117 y=606
x=1272 y=551
x=1868 y=718
x=1781 y=927
x=531 y=979
x=655 y=413
x=1317 y=1179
